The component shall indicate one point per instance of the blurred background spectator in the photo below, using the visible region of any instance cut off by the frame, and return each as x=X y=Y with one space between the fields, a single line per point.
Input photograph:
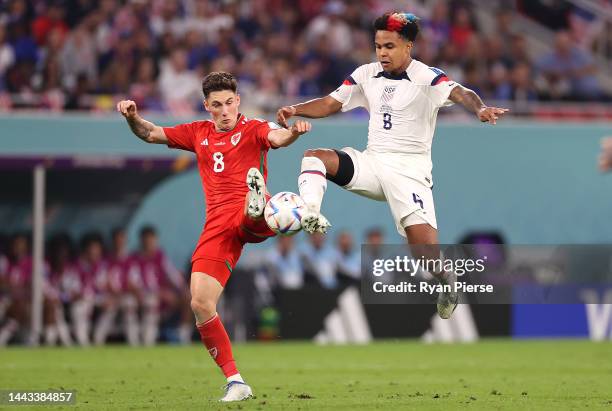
x=348 y=259
x=84 y=55
x=284 y=264
x=318 y=261
x=569 y=71
x=139 y=297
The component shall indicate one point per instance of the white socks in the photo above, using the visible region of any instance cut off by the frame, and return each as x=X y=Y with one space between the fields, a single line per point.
x=81 y=315
x=51 y=335
x=104 y=325
x=184 y=333
x=235 y=377
x=62 y=328
x=312 y=182
x=130 y=320
x=150 y=322
x=7 y=332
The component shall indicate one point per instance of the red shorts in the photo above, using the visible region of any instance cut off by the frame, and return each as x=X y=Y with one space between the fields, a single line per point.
x=221 y=243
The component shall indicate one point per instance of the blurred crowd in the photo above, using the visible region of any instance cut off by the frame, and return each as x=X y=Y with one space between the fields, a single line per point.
x=314 y=262
x=85 y=54
x=97 y=292
x=86 y=292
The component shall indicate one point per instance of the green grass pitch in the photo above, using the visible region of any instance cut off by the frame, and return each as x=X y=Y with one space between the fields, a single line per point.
x=489 y=375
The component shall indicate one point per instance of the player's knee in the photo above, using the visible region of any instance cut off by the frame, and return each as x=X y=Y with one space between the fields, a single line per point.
x=203 y=308
x=311 y=153
x=317 y=152
x=327 y=157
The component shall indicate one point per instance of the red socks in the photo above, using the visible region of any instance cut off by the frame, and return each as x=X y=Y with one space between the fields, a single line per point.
x=217 y=342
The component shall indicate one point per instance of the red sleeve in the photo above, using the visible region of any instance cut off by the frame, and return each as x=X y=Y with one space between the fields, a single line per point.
x=181 y=136
x=261 y=133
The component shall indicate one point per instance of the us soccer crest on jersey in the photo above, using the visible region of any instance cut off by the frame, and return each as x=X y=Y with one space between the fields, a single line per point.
x=396 y=166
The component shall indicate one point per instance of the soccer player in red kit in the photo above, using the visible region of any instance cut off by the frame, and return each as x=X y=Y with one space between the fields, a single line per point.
x=231 y=151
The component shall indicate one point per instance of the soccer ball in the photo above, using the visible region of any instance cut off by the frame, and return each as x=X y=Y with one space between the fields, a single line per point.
x=283 y=213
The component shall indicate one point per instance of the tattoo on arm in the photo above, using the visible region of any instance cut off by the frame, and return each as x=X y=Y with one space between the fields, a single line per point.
x=467 y=98
x=140 y=127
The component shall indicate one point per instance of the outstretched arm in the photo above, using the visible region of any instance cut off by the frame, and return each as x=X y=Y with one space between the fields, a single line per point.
x=317 y=108
x=283 y=137
x=143 y=129
x=470 y=100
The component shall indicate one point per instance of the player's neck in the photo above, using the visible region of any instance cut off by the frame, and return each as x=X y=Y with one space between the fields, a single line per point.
x=402 y=68
x=120 y=253
x=149 y=253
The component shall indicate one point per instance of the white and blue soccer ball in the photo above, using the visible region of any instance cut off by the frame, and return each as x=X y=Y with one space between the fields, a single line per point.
x=284 y=212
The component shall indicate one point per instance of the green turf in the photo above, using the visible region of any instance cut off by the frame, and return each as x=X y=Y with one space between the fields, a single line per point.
x=490 y=375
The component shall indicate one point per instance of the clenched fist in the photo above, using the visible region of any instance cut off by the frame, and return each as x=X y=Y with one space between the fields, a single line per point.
x=300 y=127
x=127 y=108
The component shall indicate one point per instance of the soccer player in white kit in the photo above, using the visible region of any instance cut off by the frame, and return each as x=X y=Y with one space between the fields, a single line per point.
x=403 y=97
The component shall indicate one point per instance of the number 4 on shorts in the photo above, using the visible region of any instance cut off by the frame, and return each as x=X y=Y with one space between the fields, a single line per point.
x=417 y=199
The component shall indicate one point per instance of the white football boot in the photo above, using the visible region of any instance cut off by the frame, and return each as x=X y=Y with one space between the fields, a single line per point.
x=313 y=222
x=236 y=391
x=257 y=193
x=447 y=301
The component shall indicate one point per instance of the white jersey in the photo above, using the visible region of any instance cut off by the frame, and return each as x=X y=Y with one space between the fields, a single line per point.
x=403 y=109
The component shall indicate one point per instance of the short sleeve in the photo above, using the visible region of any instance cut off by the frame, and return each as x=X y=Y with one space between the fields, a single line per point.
x=439 y=93
x=181 y=136
x=261 y=133
x=350 y=93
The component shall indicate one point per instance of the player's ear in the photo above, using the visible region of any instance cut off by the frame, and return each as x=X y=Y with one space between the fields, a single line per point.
x=237 y=99
x=409 y=45
x=206 y=105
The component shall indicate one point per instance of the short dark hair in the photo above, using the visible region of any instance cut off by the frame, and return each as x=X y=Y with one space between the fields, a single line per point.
x=218 y=81
x=117 y=231
x=147 y=230
x=90 y=238
x=374 y=231
x=405 y=24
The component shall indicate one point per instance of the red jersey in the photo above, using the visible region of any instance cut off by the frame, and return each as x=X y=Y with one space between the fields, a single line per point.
x=224 y=158
x=20 y=273
x=155 y=272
